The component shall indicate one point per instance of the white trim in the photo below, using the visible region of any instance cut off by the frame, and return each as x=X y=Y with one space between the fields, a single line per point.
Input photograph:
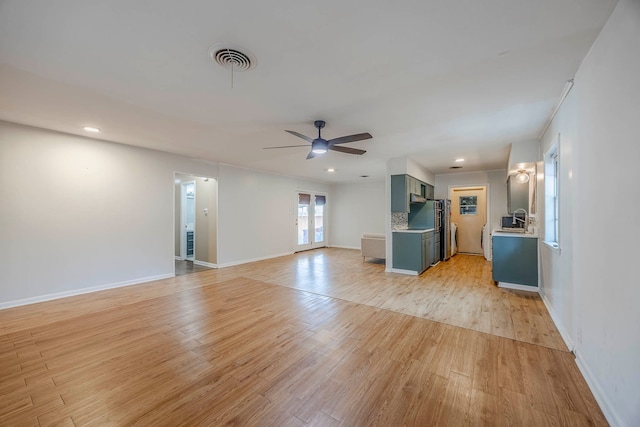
x=552 y=153
x=486 y=249
x=65 y=294
x=312 y=221
x=565 y=91
x=517 y=287
x=400 y=271
x=183 y=219
x=177 y=258
x=600 y=396
x=552 y=246
x=205 y=264
x=556 y=321
x=345 y=247
x=247 y=261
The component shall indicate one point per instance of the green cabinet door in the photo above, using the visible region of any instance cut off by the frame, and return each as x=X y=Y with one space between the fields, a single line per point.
x=401 y=188
x=407 y=251
x=515 y=260
x=399 y=193
x=428 y=250
x=429 y=192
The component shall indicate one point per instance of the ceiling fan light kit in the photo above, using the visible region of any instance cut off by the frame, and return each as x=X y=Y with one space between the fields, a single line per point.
x=321 y=145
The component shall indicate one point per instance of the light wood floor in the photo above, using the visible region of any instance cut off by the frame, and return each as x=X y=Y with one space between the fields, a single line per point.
x=317 y=338
x=183 y=267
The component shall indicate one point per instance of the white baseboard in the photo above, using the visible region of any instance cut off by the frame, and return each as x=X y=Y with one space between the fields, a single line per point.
x=205 y=264
x=517 y=287
x=401 y=271
x=247 y=261
x=598 y=393
x=345 y=247
x=556 y=321
x=65 y=294
x=594 y=386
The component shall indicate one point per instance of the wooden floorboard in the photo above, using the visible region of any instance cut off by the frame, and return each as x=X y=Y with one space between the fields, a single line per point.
x=317 y=338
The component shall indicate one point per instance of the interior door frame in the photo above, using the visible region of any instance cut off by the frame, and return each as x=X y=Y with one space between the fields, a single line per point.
x=183 y=220
x=486 y=236
x=312 y=243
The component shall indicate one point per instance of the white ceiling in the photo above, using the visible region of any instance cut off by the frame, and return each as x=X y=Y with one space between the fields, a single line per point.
x=430 y=79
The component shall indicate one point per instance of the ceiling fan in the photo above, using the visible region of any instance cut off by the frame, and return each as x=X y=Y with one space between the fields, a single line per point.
x=320 y=145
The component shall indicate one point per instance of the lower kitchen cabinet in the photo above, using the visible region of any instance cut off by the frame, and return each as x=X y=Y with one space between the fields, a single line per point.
x=413 y=251
x=515 y=259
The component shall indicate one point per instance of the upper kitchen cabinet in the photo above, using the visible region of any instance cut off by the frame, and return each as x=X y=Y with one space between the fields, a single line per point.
x=429 y=192
x=402 y=186
x=517 y=195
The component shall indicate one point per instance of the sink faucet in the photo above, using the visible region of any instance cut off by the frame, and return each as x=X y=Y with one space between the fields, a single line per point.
x=526 y=218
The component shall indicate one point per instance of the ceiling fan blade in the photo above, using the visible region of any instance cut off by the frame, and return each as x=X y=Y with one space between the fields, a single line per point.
x=311 y=155
x=349 y=138
x=348 y=150
x=284 y=146
x=299 y=135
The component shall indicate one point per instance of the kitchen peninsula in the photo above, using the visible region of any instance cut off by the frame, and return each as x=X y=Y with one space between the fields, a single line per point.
x=515 y=259
x=413 y=250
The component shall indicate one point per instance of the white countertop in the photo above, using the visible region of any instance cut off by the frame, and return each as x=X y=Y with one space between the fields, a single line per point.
x=498 y=233
x=405 y=230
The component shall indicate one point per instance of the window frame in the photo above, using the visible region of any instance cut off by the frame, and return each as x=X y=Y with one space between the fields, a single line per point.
x=552 y=163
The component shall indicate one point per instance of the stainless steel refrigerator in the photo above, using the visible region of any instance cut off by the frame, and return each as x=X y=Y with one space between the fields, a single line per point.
x=445 y=229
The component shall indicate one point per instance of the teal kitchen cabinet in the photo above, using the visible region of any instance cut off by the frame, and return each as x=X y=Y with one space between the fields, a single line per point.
x=429 y=191
x=413 y=251
x=399 y=193
x=428 y=249
x=402 y=186
x=515 y=259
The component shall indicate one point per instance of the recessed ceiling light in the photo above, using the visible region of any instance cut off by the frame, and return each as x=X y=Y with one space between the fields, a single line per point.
x=331 y=170
x=91 y=129
x=459 y=160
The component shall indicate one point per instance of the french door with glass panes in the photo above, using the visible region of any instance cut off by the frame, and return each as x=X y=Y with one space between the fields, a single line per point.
x=311 y=220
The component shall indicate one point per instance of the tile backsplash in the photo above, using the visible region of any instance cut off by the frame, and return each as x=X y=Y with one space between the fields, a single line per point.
x=399 y=220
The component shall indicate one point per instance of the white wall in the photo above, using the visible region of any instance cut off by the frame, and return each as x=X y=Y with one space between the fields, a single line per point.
x=417 y=171
x=89 y=214
x=497 y=194
x=405 y=165
x=83 y=213
x=593 y=285
x=256 y=214
x=356 y=208
x=523 y=155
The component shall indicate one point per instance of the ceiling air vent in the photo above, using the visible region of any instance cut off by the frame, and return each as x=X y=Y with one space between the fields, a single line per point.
x=232 y=56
